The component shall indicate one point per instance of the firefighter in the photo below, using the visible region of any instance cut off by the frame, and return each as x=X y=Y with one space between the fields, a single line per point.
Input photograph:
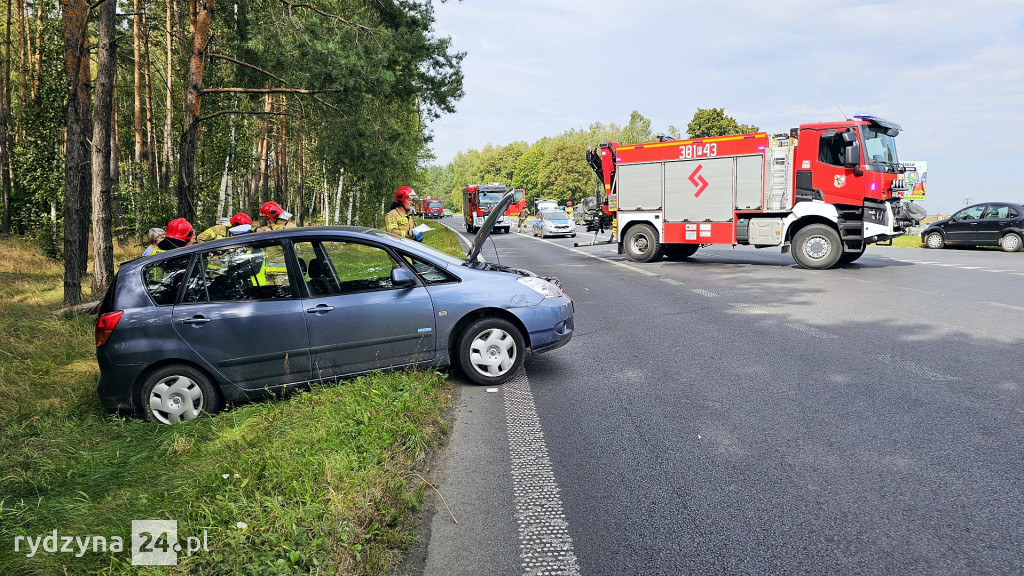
x=238 y=224
x=273 y=217
x=179 y=233
x=399 y=219
x=522 y=219
x=568 y=208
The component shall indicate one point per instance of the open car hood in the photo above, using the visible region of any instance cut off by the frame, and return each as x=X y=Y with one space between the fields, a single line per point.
x=488 y=225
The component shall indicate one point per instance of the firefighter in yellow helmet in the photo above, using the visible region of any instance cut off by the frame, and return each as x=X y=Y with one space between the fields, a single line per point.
x=399 y=219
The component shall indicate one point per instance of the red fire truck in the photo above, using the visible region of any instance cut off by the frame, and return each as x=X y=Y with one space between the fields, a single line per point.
x=431 y=207
x=824 y=191
x=478 y=199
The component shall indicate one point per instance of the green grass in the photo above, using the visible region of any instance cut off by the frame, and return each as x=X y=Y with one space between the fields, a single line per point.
x=321 y=482
x=906 y=241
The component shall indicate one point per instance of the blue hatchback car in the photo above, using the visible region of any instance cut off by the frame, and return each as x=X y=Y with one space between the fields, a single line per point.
x=183 y=333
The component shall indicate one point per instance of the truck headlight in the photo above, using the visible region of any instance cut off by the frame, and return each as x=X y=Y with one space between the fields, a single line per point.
x=540 y=286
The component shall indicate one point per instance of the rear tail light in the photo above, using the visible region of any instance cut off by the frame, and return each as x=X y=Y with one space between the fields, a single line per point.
x=105 y=326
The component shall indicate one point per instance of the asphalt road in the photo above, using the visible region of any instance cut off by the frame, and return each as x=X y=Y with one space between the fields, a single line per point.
x=736 y=414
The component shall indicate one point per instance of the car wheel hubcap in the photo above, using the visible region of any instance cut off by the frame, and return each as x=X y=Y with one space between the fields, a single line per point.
x=176 y=399
x=1011 y=243
x=493 y=352
x=817 y=247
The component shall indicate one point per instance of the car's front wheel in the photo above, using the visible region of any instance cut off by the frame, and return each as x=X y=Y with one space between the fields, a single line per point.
x=1010 y=243
x=817 y=247
x=178 y=393
x=491 y=351
x=934 y=240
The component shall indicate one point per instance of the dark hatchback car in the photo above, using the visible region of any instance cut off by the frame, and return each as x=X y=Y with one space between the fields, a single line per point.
x=988 y=224
x=182 y=333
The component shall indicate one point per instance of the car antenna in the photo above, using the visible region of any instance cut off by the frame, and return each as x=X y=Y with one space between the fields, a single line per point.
x=843 y=113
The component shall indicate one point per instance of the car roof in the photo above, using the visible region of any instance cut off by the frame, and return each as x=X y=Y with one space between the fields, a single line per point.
x=292 y=233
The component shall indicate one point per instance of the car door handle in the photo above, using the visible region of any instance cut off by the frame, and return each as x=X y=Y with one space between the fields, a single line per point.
x=195 y=321
x=320 y=309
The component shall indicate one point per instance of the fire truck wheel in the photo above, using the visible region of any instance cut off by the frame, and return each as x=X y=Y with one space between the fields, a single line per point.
x=1010 y=243
x=817 y=247
x=641 y=244
x=491 y=351
x=934 y=240
x=680 y=251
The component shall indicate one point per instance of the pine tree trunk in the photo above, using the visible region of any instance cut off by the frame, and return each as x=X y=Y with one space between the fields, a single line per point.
x=22 y=54
x=300 y=169
x=77 y=176
x=169 y=102
x=264 y=149
x=116 y=209
x=151 y=160
x=137 y=70
x=190 y=130
x=106 y=62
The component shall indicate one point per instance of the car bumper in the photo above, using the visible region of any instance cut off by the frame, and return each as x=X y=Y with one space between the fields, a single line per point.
x=550 y=323
x=115 y=384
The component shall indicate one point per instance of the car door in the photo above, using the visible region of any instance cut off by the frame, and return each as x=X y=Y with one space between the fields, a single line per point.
x=356 y=319
x=997 y=217
x=246 y=324
x=963 y=227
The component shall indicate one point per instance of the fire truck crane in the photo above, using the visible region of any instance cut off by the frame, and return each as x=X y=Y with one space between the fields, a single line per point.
x=823 y=192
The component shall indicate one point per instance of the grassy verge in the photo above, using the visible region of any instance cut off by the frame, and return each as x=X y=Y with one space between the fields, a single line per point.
x=321 y=482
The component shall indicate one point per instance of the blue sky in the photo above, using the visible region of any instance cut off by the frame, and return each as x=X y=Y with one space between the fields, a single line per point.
x=951 y=73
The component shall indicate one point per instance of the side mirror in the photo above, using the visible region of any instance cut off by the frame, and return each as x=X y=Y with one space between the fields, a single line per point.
x=852 y=156
x=401 y=277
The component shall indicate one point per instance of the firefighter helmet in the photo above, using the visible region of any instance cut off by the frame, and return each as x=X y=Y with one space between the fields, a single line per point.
x=180 y=229
x=272 y=210
x=404 y=192
x=239 y=219
x=569 y=203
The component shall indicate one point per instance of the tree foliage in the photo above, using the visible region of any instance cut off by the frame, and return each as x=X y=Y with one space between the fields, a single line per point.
x=714 y=122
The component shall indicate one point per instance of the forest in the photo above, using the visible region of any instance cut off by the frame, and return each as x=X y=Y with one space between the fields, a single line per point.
x=118 y=115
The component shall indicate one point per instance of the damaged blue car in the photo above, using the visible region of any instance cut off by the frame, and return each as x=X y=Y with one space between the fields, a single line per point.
x=186 y=332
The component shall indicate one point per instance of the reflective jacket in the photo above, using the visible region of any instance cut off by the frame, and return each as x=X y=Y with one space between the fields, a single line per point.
x=398 y=223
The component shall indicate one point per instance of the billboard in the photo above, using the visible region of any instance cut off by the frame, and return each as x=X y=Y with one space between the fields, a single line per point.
x=917 y=178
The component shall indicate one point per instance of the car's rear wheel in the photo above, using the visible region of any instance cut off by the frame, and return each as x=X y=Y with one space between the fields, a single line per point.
x=178 y=393
x=817 y=247
x=1011 y=242
x=934 y=240
x=491 y=351
x=641 y=243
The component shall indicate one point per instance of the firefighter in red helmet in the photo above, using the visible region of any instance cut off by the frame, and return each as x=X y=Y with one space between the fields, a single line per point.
x=237 y=225
x=273 y=217
x=179 y=233
x=399 y=219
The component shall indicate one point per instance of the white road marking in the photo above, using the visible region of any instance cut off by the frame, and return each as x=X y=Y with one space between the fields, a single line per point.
x=1001 y=305
x=671 y=281
x=812 y=331
x=545 y=546
x=703 y=292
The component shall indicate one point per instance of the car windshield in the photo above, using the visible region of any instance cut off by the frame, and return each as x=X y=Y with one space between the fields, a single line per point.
x=434 y=203
x=879 y=148
x=489 y=199
x=419 y=246
x=555 y=215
